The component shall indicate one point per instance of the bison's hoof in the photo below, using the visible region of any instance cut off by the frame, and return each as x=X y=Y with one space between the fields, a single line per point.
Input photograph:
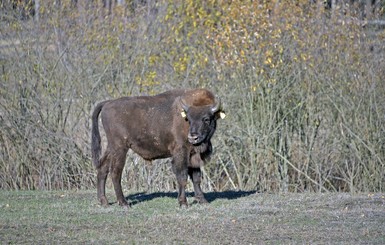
x=183 y=204
x=124 y=203
x=202 y=200
x=103 y=201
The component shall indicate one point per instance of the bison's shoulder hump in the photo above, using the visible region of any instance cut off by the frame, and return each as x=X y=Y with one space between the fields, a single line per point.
x=199 y=97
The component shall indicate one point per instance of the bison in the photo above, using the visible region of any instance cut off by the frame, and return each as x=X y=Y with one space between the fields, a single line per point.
x=177 y=124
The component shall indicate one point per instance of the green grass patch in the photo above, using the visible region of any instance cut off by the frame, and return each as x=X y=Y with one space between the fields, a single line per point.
x=231 y=217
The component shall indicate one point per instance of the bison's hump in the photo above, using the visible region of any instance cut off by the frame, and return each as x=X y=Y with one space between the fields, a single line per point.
x=199 y=97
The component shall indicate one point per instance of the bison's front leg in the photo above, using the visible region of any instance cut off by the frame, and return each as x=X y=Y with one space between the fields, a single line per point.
x=179 y=167
x=196 y=177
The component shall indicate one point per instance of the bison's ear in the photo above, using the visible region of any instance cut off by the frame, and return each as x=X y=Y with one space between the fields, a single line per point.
x=184 y=106
x=220 y=114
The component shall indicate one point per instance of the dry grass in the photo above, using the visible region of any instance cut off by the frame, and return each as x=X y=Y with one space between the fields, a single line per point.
x=230 y=218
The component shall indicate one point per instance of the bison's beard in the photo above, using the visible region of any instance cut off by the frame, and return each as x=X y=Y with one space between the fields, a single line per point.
x=200 y=154
x=202 y=147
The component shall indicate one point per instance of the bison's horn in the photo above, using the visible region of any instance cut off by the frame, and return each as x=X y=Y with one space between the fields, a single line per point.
x=183 y=104
x=216 y=106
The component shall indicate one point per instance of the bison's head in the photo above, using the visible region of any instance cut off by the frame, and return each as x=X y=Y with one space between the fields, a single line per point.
x=202 y=120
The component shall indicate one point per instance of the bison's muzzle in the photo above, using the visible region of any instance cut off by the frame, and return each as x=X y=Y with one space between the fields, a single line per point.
x=194 y=139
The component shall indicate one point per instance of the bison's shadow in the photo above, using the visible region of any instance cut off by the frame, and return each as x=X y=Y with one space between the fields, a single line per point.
x=210 y=196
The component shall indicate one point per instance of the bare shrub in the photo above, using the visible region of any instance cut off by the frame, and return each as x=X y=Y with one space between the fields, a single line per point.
x=303 y=90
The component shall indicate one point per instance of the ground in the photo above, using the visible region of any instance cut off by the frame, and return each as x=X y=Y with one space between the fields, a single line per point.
x=38 y=217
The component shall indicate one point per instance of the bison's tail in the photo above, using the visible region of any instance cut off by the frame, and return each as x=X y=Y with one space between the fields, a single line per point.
x=95 y=135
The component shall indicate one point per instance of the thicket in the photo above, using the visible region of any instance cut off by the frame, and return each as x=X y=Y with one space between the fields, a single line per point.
x=303 y=86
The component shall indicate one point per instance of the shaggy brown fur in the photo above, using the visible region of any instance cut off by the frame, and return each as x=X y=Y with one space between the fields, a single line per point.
x=155 y=127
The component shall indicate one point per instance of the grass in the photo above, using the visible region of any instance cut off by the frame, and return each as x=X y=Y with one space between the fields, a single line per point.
x=231 y=218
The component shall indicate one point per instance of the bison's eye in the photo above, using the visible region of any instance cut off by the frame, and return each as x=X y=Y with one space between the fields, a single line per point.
x=206 y=120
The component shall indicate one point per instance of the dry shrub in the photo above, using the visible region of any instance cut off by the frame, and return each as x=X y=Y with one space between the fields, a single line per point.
x=303 y=90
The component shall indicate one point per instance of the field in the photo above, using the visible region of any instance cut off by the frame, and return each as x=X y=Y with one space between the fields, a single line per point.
x=38 y=217
x=302 y=85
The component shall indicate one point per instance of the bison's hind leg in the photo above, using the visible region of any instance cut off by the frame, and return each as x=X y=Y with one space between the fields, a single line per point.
x=119 y=159
x=112 y=161
x=102 y=173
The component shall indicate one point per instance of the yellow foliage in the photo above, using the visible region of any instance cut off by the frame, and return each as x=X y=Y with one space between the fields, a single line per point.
x=147 y=82
x=269 y=36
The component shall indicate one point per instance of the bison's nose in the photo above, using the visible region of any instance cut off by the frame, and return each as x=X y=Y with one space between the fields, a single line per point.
x=193 y=138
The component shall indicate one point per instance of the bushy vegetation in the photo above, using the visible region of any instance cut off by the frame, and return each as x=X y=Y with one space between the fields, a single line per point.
x=303 y=87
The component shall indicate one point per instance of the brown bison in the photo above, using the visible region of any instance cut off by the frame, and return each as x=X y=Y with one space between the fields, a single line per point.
x=177 y=124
